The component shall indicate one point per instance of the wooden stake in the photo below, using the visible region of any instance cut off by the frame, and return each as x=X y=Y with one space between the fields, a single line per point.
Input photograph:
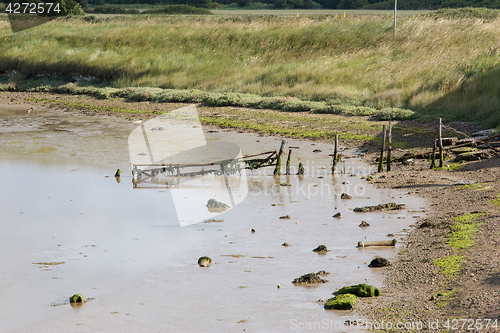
x=381 y=160
x=277 y=170
x=288 y=162
x=433 y=158
x=389 y=148
x=335 y=151
x=440 y=143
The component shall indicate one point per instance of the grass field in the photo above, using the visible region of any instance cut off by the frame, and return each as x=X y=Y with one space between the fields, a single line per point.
x=316 y=12
x=436 y=66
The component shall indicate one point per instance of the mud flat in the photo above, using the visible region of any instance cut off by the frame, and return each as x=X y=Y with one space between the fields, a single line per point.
x=422 y=284
x=121 y=248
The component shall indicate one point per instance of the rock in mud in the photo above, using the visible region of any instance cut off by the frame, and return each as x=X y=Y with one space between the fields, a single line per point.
x=285 y=217
x=286 y=244
x=345 y=196
x=360 y=290
x=387 y=206
x=212 y=203
x=426 y=224
x=379 y=262
x=321 y=249
x=311 y=278
x=317 y=151
x=77 y=298
x=204 y=261
x=341 y=302
x=337 y=215
x=364 y=224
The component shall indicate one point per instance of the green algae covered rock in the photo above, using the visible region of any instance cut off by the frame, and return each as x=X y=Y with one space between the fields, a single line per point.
x=360 y=290
x=204 y=261
x=341 y=302
x=77 y=298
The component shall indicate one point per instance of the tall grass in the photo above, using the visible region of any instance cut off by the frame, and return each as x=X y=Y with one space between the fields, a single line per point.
x=432 y=64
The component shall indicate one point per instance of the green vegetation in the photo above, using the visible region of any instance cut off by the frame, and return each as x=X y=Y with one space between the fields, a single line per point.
x=445 y=297
x=319 y=64
x=463 y=231
x=450 y=265
x=462 y=235
x=496 y=201
x=477 y=187
x=341 y=302
x=360 y=290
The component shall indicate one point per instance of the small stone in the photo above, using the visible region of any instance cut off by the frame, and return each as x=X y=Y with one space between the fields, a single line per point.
x=321 y=249
x=337 y=215
x=311 y=278
x=364 y=224
x=279 y=286
x=77 y=298
x=285 y=217
x=253 y=231
x=379 y=262
x=286 y=244
x=345 y=196
x=204 y=261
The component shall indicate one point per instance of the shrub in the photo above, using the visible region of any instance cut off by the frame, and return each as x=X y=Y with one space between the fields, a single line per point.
x=112 y=10
x=179 y=9
x=395 y=114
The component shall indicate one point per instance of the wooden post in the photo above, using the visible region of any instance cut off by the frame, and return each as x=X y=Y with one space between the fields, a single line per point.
x=433 y=158
x=389 y=148
x=440 y=143
x=288 y=162
x=277 y=169
x=381 y=160
x=335 y=152
x=395 y=14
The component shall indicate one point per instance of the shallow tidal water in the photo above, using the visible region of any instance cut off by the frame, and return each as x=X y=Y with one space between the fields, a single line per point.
x=124 y=249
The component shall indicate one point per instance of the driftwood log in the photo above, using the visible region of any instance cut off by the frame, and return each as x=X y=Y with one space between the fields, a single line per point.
x=378 y=243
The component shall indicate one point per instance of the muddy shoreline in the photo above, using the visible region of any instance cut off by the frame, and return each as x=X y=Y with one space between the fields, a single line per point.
x=413 y=282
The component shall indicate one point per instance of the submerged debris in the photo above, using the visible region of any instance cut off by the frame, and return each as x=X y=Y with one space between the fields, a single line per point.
x=311 y=278
x=285 y=217
x=301 y=169
x=379 y=262
x=360 y=290
x=321 y=249
x=387 y=206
